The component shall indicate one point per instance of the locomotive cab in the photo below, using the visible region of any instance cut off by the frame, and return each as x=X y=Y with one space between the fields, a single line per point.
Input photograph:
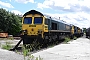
x=33 y=25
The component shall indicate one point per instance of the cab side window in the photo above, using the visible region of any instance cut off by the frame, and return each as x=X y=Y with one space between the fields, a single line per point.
x=46 y=21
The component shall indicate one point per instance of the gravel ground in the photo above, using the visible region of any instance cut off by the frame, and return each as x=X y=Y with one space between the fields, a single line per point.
x=10 y=42
x=9 y=55
x=74 y=50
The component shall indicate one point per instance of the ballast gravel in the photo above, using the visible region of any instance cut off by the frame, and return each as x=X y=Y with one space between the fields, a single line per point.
x=9 y=55
x=74 y=50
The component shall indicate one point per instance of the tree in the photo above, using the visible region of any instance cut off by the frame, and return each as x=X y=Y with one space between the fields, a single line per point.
x=84 y=30
x=9 y=22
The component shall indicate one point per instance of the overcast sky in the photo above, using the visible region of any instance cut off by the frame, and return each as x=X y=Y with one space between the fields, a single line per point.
x=75 y=12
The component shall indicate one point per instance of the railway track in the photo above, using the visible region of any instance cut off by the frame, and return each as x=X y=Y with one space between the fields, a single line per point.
x=35 y=46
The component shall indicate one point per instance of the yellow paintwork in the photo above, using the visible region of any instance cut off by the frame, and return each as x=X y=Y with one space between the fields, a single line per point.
x=79 y=31
x=72 y=30
x=29 y=29
x=32 y=29
x=45 y=28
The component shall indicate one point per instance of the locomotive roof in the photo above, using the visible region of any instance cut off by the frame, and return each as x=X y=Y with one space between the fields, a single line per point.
x=33 y=12
x=53 y=18
x=47 y=16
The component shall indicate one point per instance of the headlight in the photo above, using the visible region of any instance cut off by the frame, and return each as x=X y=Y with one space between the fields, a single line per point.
x=39 y=31
x=24 y=31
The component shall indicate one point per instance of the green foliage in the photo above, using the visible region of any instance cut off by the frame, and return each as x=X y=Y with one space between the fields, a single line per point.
x=9 y=22
x=39 y=58
x=67 y=39
x=7 y=46
x=84 y=30
x=75 y=38
x=26 y=53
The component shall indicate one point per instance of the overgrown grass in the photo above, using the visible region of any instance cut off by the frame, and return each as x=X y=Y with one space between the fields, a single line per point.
x=25 y=51
x=27 y=55
x=75 y=38
x=7 y=46
x=67 y=39
x=10 y=38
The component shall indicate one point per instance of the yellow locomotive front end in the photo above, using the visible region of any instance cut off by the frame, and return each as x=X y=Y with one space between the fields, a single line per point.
x=33 y=26
x=79 y=30
x=72 y=29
